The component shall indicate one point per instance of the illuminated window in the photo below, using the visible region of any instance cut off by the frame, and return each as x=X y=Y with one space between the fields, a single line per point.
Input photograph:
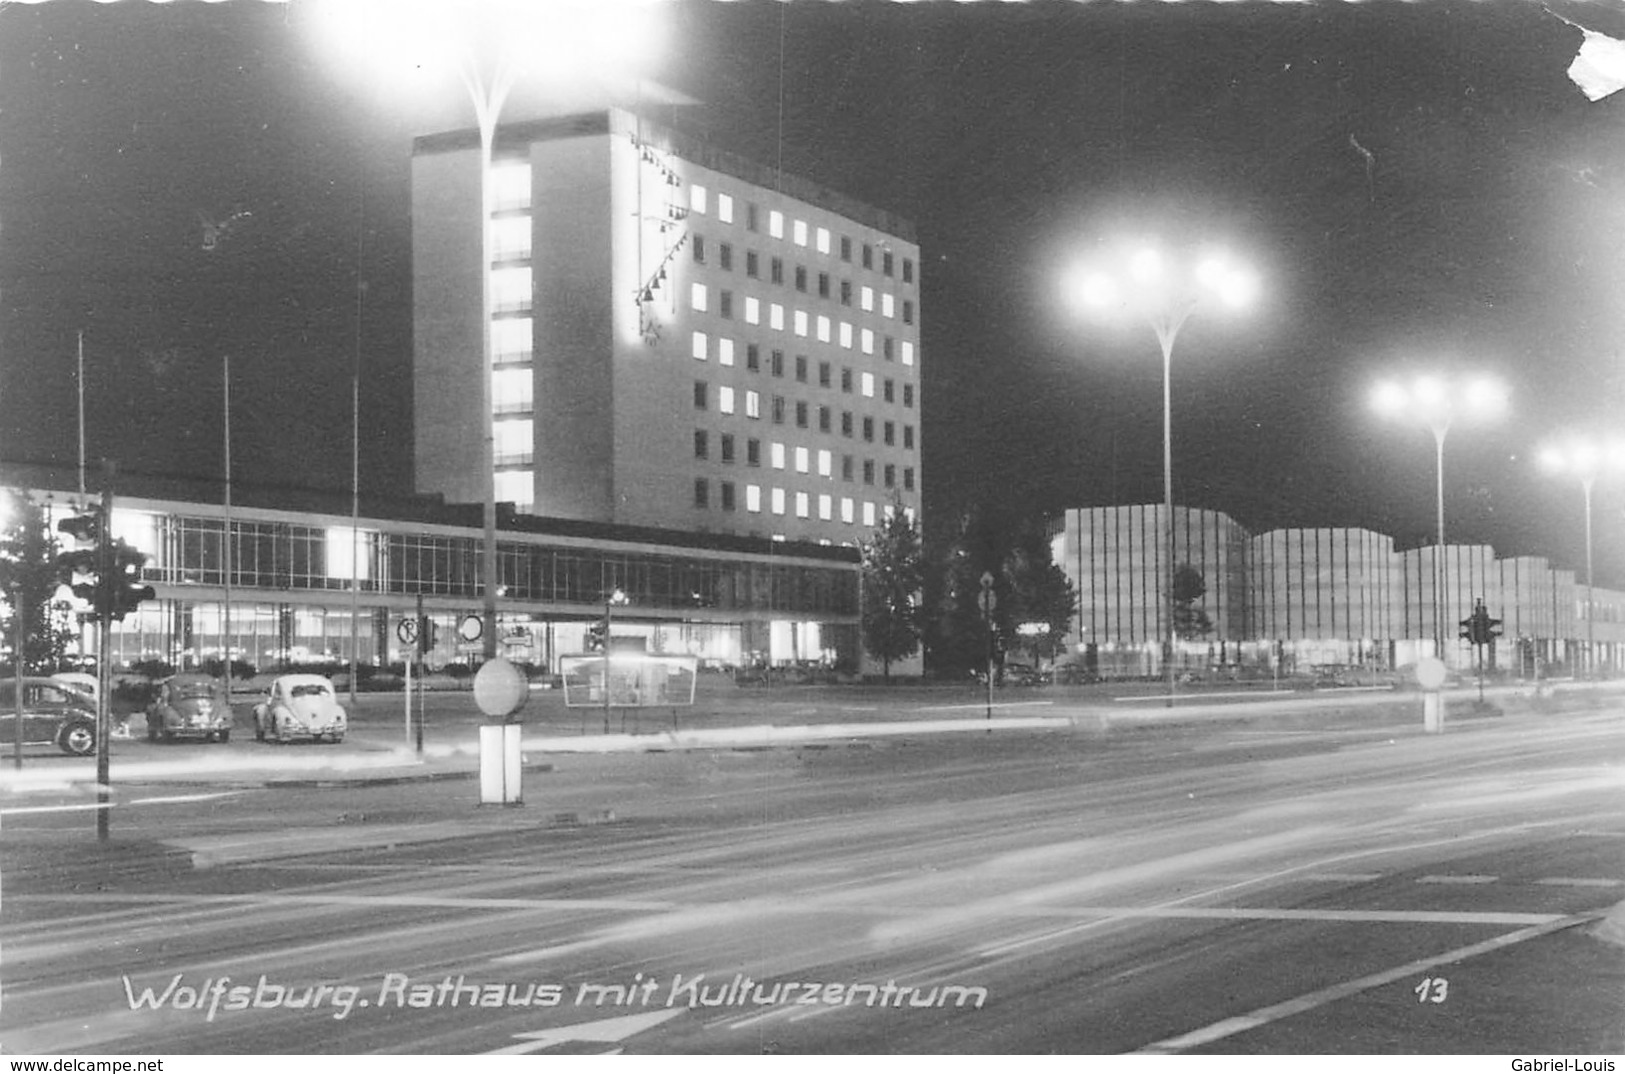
x=866 y=299
x=510 y=290
x=798 y=232
x=776 y=455
x=511 y=339
x=725 y=208
x=847 y=509
x=342 y=545
x=725 y=351
x=696 y=198
x=510 y=186
x=753 y=311
x=886 y=307
x=753 y=405
x=868 y=513
x=513 y=442
x=868 y=339
x=802 y=505
x=846 y=335
x=800 y=322
x=778 y=501
x=753 y=499
x=802 y=460
x=696 y=296
x=868 y=383
x=823 y=328
x=775 y=317
x=823 y=240
x=699 y=348
x=826 y=463
x=510 y=238
x=511 y=391
x=908 y=353
x=775 y=227
x=725 y=399
x=517 y=487
x=826 y=504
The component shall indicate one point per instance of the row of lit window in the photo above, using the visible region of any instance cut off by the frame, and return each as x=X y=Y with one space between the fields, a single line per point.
x=701 y=348
x=781 y=408
x=779 y=501
x=780 y=457
x=776 y=274
x=799 y=232
x=699 y=300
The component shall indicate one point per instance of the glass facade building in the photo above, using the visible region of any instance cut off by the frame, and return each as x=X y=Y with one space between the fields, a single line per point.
x=1293 y=600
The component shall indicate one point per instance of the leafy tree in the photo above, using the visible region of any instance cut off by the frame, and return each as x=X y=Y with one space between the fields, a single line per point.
x=1190 y=621
x=28 y=584
x=1028 y=586
x=893 y=575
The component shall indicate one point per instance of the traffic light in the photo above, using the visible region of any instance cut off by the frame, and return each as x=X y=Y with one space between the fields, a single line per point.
x=1469 y=629
x=125 y=591
x=80 y=569
x=598 y=635
x=427 y=634
x=1479 y=628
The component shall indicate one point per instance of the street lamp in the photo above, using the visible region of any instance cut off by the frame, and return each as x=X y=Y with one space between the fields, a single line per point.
x=491 y=45
x=1435 y=402
x=1164 y=291
x=1586 y=459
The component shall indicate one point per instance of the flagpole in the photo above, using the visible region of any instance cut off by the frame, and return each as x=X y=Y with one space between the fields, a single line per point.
x=81 y=412
x=225 y=559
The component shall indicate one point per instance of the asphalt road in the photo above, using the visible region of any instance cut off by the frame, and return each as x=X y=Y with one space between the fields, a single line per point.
x=1318 y=882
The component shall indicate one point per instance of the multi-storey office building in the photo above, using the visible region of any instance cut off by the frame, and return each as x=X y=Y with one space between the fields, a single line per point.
x=1302 y=598
x=681 y=338
x=300 y=583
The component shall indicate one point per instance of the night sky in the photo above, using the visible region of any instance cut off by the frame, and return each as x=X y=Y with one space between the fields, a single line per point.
x=1419 y=185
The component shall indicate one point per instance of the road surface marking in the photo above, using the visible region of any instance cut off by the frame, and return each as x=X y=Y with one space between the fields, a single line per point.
x=1580 y=882
x=603 y=1031
x=1463 y=878
x=1229 y=1027
x=370 y=901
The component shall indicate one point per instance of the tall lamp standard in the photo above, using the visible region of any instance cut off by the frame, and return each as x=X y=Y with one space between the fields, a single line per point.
x=491 y=45
x=1585 y=459
x=1436 y=403
x=1164 y=293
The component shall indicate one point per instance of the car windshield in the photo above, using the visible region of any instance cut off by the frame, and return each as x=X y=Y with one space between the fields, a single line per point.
x=194 y=689
x=309 y=690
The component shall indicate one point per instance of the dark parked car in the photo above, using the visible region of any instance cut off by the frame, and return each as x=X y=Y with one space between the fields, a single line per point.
x=54 y=714
x=189 y=706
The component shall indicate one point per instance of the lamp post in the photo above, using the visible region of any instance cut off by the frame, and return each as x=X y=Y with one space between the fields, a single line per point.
x=1436 y=403
x=1586 y=459
x=596 y=47
x=1164 y=293
x=615 y=598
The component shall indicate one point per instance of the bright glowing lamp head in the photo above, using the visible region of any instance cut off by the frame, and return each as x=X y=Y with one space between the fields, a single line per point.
x=1485 y=398
x=1552 y=459
x=1389 y=399
x=1145 y=266
x=1428 y=392
x=1096 y=290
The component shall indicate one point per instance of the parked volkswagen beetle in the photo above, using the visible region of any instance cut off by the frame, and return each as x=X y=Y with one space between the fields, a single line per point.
x=302 y=706
x=189 y=706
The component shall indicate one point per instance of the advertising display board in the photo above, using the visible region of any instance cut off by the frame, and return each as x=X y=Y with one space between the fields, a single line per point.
x=636 y=680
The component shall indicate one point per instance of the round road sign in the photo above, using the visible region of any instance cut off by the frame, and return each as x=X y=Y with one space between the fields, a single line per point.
x=1430 y=672
x=500 y=688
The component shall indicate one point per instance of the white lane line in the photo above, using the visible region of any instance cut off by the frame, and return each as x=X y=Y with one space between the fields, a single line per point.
x=1458 y=878
x=1229 y=1027
x=1580 y=882
x=78 y=807
x=371 y=901
x=979 y=707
